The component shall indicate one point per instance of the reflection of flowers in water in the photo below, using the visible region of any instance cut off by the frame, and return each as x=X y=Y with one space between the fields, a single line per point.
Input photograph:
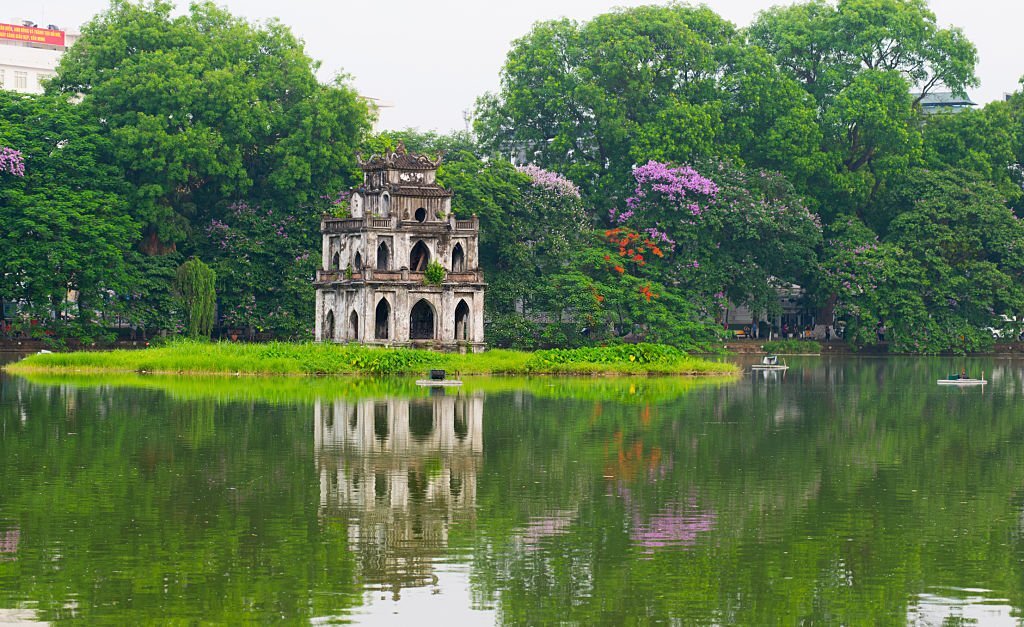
x=554 y=524
x=9 y=541
x=675 y=524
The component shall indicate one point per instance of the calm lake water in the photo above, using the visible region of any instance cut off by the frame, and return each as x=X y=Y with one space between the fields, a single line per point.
x=845 y=491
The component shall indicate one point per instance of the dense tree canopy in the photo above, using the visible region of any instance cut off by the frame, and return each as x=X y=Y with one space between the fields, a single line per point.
x=207 y=108
x=948 y=267
x=718 y=232
x=866 y=64
x=980 y=141
x=670 y=83
x=670 y=165
x=63 y=213
x=533 y=228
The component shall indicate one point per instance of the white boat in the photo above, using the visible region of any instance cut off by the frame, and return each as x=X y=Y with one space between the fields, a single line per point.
x=964 y=381
x=444 y=383
x=770 y=362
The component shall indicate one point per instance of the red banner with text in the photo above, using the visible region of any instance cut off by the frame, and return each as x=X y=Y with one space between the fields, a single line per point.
x=32 y=34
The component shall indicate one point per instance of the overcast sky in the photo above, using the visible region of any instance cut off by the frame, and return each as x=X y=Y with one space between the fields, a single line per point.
x=430 y=59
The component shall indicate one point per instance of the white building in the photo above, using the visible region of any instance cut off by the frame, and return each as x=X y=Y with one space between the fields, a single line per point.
x=29 y=54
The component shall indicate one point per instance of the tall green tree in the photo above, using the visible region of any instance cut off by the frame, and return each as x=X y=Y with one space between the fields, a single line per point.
x=866 y=64
x=670 y=83
x=206 y=108
x=64 y=219
x=982 y=141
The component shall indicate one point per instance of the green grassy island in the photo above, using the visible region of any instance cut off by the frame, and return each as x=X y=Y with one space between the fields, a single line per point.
x=281 y=358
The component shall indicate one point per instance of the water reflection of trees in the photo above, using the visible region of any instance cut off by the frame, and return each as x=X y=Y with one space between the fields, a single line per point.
x=400 y=472
x=122 y=506
x=850 y=491
x=844 y=494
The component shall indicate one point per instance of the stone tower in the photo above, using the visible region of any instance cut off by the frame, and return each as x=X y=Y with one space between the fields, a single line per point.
x=372 y=288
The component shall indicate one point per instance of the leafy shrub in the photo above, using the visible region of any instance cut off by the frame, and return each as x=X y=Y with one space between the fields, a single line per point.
x=621 y=354
x=434 y=274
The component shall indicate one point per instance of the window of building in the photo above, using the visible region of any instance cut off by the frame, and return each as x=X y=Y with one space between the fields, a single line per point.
x=458 y=259
x=21 y=80
x=419 y=257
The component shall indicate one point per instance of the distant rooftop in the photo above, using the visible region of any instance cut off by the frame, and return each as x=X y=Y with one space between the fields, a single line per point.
x=944 y=101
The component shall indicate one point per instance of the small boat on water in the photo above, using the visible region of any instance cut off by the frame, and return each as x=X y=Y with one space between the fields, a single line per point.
x=438 y=380
x=962 y=379
x=770 y=362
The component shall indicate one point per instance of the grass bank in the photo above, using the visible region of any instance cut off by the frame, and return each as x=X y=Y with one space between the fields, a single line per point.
x=280 y=358
x=300 y=390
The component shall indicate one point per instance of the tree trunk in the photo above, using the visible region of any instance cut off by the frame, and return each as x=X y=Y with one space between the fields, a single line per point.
x=151 y=246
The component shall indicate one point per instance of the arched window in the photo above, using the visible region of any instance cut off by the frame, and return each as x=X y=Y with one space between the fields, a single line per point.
x=336 y=262
x=329 y=326
x=419 y=257
x=359 y=262
x=353 y=327
x=382 y=320
x=383 y=256
x=385 y=204
x=458 y=259
x=421 y=321
x=420 y=215
x=462 y=321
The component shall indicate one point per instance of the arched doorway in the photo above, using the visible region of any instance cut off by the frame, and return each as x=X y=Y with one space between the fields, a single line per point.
x=462 y=321
x=382 y=320
x=461 y=425
x=329 y=326
x=380 y=421
x=353 y=327
x=419 y=257
x=383 y=256
x=421 y=321
x=421 y=421
x=336 y=262
x=458 y=259
x=358 y=262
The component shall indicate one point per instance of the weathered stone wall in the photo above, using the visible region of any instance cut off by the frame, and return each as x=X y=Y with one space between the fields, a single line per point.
x=384 y=212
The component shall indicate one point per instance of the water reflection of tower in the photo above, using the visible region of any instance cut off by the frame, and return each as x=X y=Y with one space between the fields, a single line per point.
x=400 y=471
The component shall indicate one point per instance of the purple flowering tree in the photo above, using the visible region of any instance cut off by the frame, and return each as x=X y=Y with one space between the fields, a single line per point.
x=12 y=161
x=728 y=234
x=265 y=260
x=553 y=182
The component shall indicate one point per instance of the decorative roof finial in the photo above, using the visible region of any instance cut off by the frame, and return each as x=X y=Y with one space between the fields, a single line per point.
x=400 y=148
